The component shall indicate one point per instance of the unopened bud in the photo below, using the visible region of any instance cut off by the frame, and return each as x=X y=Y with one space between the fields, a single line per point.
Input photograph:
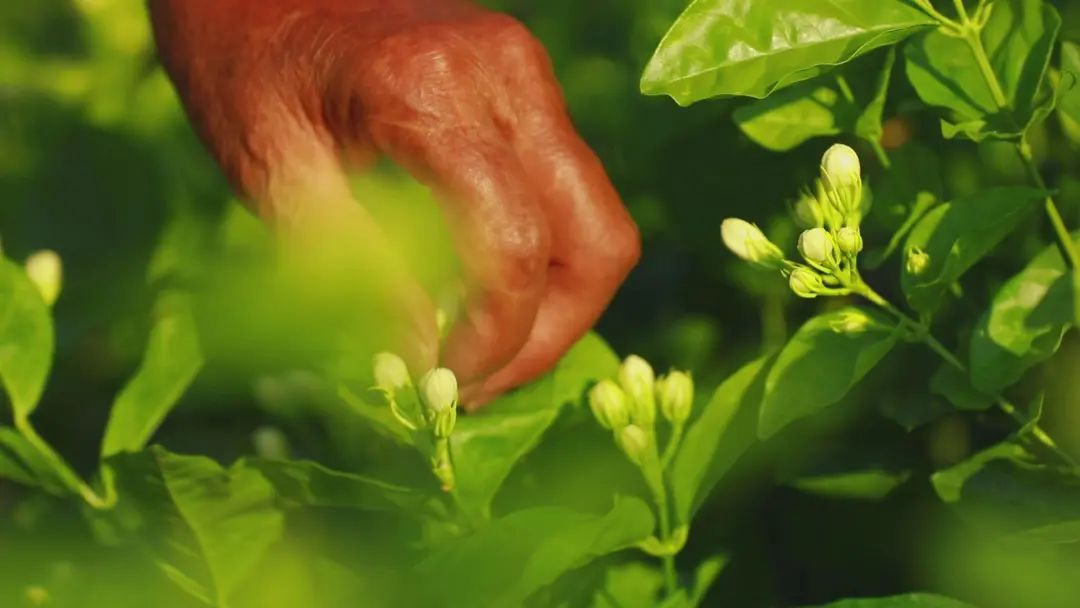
x=638 y=379
x=749 y=243
x=840 y=167
x=608 y=403
x=634 y=442
x=439 y=390
x=46 y=273
x=805 y=282
x=917 y=261
x=849 y=239
x=444 y=422
x=391 y=374
x=675 y=392
x=817 y=247
x=808 y=211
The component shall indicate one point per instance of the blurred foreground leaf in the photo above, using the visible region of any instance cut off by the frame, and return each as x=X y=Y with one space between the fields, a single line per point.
x=306 y=483
x=909 y=600
x=26 y=339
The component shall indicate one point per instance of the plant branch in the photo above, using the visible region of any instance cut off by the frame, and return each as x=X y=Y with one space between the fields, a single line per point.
x=67 y=475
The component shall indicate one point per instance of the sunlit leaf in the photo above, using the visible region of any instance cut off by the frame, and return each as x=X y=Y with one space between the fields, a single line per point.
x=753 y=47
x=26 y=339
x=956 y=235
x=822 y=362
x=1024 y=324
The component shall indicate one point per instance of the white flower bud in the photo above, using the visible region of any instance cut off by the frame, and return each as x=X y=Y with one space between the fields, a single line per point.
x=46 y=273
x=917 y=261
x=634 y=442
x=675 y=392
x=608 y=403
x=749 y=243
x=805 y=282
x=817 y=247
x=808 y=211
x=840 y=167
x=391 y=374
x=638 y=379
x=849 y=239
x=439 y=390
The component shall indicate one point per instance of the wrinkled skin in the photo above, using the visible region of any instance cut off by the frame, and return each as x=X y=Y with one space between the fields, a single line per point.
x=290 y=94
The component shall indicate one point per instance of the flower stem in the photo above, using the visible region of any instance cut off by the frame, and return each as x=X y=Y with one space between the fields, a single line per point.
x=922 y=333
x=672 y=447
x=654 y=478
x=63 y=470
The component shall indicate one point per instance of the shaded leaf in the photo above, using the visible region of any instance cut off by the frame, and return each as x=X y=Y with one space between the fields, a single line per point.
x=630 y=585
x=26 y=339
x=20 y=462
x=956 y=235
x=753 y=47
x=955 y=386
x=485 y=446
x=717 y=437
x=1019 y=39
x=1024 y=324
x=171 y=361
x=908 y=600
x=822 y=362
x=1068 y=106
x=534 y=547
x=308 y=483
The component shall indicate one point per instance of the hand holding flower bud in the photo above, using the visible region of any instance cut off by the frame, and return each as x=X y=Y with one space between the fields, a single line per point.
x=749 y=243
x=675 y=392
x=634 y=442
x=608 y=403
x=850 y=241
x=818 y=248
x=806 y=283
x=638 y=379
x=46 y=273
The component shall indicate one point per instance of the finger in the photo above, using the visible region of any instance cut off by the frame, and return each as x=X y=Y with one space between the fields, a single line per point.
x=594 y=241
x=441 y=128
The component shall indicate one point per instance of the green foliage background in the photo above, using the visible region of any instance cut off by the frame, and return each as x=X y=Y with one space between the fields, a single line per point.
x=98 y=163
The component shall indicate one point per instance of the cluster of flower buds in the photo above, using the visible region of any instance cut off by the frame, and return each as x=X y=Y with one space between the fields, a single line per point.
x=831 y=241
x=46 y=273
x=628 y=408
x=430 y=413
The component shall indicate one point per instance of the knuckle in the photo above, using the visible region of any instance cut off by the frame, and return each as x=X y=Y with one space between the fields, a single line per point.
x=513 y=40
x=522 y=252
x=620 y=250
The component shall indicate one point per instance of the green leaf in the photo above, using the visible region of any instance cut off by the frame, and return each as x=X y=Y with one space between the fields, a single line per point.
x=868 y=484
x=956 y=235
x=533 y=548
x=716 y=439
x=821 y=363
x=630 y=585
x=1007 y=490
x=908 y=600
x=955 y=386
x=824 y=106
x=305 y=483
x=1018 y=39
x=486 y=446
x=207 y=527
x=26 y=339
x=754 y=47
x=1068 y=107
x=22 y=463
x=1024 y=324
x=171 y=361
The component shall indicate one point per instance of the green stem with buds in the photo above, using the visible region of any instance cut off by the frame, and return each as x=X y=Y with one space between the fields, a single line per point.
x=654 y=478
x=922 y=333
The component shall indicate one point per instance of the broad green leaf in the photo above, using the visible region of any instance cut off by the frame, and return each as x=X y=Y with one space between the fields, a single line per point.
x=1068 y=107
x=305 y=483
x=227 y=517
x=956 y=235
x=909 y=600
x=716 y=438
x=1019 y=39
x=869 y=484
x=821 y=363
x=26 y=339
x=171 y=361
x=1024 y=324
x=911 y=187
x=485 y=446
x=630 y=585
x=912 y=411
x=1007 y=490
x=867 y=469
x=754 y=47
x=20 y=462
x=513 y=557
x=955 y=386
x=824 y=106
